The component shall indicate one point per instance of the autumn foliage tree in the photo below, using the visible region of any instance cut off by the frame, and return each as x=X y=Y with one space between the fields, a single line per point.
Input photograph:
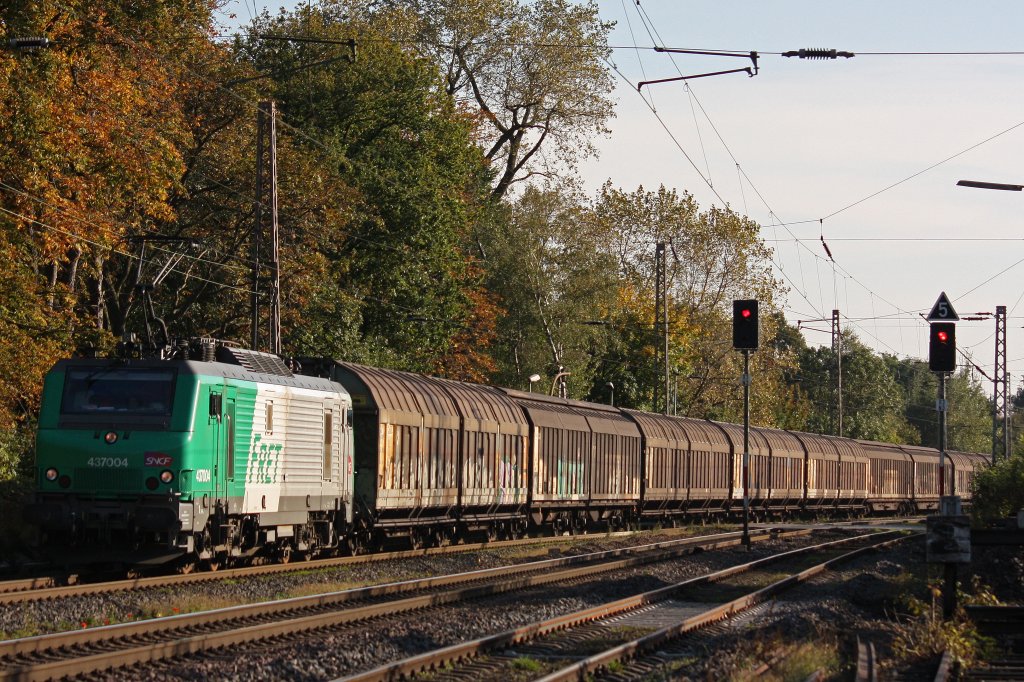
x=91 y=131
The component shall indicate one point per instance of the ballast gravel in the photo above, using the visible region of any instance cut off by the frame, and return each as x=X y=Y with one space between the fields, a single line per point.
x=69 y=613
x=337 y=652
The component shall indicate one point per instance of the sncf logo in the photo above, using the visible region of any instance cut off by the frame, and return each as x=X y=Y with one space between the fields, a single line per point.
x=158 y=459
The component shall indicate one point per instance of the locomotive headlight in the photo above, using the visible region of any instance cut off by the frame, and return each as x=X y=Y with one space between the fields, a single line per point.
x=110 y=438
x=52 y=474
x=166 y=476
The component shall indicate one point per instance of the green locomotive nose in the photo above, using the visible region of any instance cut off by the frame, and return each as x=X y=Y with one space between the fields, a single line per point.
x=112 y=432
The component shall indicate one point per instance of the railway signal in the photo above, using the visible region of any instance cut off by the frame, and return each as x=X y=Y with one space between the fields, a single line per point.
x=744 y=325
x=942 y=347
x=745 y=339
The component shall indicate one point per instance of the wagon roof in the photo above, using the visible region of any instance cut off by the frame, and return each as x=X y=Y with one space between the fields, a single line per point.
x=572 y=414
x=782 y=442
x=758 y=444
x=817 y=445
x=886 y=450
x=659 y=427
x=391 y=390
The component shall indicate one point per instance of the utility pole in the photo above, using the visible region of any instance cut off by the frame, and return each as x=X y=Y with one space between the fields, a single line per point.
x=661 y=319
x=837 y=352
x=1000 y=392
x=266 y=217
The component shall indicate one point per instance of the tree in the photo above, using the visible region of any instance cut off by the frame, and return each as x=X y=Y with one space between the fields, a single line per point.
x=91 y=132
x=969 y=419
x=384 y=128
x=873 y=401
x=550 y=269
x=997 y=490
x=714 y=256
x=534 y=73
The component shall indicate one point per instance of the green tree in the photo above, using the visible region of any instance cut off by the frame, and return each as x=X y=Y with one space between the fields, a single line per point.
x=554 y=276
x=969 y=419
x=385 y=127
x=873 y=400
x=998 y=490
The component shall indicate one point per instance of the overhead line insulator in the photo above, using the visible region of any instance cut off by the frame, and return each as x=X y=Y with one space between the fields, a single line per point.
x=817 y=53
x=31 y=43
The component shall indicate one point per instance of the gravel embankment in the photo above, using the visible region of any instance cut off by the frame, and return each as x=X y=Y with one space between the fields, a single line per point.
x=343 y=651
x=92 y=610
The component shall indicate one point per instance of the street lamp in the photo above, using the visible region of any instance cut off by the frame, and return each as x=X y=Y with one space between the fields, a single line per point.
x=534 y=378
x=990 y=185
x=559 y=381
x=1001 y=380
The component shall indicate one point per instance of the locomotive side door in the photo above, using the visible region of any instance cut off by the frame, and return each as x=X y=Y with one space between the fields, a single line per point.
x=219 y=472
x=226 y=461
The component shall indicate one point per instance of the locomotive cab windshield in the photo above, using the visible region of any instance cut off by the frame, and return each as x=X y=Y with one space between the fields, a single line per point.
x=138 y=393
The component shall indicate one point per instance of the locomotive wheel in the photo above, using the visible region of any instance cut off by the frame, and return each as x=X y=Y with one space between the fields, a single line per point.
x=284 y=555
x=186 y=566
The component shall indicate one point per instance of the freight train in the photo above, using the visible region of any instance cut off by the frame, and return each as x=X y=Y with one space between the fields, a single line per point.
x=220 y=454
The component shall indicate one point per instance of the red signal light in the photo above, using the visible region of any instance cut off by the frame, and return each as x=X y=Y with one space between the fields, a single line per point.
x=744 y=324
x=942 y=336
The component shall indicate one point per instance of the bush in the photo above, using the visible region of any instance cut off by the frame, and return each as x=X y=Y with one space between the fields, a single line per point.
x=998 y=490
x=17 y=478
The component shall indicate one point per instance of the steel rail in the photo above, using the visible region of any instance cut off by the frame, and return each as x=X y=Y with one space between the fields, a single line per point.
x=945 y=669
x=40 y=589
x=126 y=636
x=867 y=664
x=47 y=587
x=727 y=610
x=435 y=659
x=27 y=584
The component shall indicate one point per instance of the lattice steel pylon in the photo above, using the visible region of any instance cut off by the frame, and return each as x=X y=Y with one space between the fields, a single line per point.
x=266 y=222
x=661 y=321
x=1000 y=392
x=837 y=352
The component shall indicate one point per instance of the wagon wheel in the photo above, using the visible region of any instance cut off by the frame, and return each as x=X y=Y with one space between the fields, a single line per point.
x=284 y=555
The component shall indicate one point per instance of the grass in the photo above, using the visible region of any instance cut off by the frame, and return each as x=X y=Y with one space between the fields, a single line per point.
x=526 y=664
x=611 y=637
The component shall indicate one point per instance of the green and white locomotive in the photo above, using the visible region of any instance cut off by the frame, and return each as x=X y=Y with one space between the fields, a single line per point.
x=212 y=454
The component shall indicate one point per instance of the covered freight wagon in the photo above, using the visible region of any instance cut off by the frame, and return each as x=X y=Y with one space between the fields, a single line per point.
x=434 y=457
x=586 y=462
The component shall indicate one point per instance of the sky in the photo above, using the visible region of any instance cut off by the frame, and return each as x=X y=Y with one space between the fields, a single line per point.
x=863 y=152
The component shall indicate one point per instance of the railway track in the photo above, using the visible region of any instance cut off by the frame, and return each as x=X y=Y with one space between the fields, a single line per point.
x=44 y=587
x=630 y=638
x=55 y=587
x=104 y=648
